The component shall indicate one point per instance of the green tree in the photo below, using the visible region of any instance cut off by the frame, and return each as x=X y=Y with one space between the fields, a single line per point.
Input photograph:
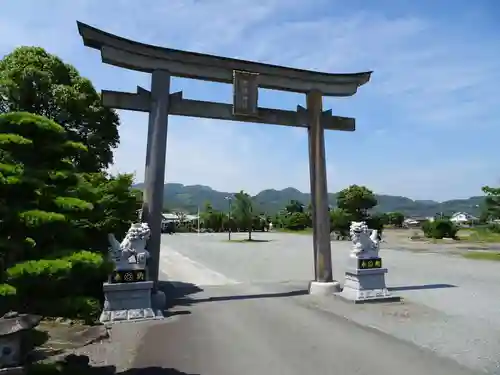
x=52 y=240
x=46 y=185
x=394 y=218
x=294 y=206
x=340 y=221
x=32 y=80
x=115 y=207
x=214 y=219
x=297 y=221
x=491 y=209
x=356 y=201
x=376 y=221
x=440 y=228
x=243 y=211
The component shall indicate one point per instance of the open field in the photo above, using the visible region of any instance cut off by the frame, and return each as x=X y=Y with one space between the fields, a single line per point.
x=469 y=241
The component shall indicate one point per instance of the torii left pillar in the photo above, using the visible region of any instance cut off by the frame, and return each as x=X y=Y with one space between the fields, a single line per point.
x=323 y=284
x=154 y=181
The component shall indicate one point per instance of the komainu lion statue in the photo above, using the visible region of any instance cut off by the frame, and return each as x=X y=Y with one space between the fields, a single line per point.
x=365 y=242
x=133 y=245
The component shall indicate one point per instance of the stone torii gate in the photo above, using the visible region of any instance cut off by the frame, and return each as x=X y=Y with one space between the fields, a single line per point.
x=246 y=77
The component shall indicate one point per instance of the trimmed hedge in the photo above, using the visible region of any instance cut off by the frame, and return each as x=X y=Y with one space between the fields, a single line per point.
x=71 y=286
x=68 y=276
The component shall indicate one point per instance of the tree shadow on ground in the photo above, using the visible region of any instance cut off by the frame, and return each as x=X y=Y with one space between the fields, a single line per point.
x=154 y=371
x=246 y=241
x=79 y=365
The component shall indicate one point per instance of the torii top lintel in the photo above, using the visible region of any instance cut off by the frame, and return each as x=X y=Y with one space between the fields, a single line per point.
x=142 y=57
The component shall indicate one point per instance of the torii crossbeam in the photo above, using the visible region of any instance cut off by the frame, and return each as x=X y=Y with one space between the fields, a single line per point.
x=246 y=77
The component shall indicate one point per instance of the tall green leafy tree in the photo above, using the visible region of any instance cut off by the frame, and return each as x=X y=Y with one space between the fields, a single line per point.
x=243 y=211
x=491 y=208
x=395 y=218
x=356 y=201
x=32 y=80
x=214 y=219
x=294 y=206
x=115 y=208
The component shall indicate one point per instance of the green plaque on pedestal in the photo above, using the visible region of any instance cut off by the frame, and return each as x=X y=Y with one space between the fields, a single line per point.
x=369 y=264
x=128 y=276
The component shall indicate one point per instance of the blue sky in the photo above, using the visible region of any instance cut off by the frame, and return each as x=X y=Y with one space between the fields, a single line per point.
x=427 y=122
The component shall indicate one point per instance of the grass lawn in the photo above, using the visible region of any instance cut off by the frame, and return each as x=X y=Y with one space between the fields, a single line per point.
x=483 y=255
x=303 y=231
x=478 y=235
x=246 y=240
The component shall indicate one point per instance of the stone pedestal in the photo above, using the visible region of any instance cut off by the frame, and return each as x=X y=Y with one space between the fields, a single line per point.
x=365 y=282
x=129 y=301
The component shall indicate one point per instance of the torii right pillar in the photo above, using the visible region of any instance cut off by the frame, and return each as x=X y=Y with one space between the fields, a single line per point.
x=323 y=284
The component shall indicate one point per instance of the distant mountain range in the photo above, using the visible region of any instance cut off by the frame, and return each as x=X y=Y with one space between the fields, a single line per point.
x=189 y=198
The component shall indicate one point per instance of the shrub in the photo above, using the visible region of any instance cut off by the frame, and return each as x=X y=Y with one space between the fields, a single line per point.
x=8 y=296
x=376 y=222
x=69 y=287
x=340 y=222
x=80 y=273
x=44 y=369
x=297 y=221
x=494 y=228
x=39 y=277
x=83 y=308
x=438 y=229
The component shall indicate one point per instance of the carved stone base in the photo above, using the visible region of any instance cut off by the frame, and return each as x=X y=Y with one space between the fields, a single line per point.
x=128 y=302
x=366 y=285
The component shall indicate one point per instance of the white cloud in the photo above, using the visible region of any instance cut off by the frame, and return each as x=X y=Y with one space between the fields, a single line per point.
x=425 y=78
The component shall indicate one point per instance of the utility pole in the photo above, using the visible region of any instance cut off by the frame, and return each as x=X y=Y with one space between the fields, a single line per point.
x=198 y=220
x=229 y=198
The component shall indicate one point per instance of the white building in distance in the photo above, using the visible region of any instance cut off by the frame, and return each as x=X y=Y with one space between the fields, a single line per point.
x=463 y=218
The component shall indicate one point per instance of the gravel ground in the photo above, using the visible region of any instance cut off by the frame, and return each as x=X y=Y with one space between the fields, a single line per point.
x=250 y=329
x=119 y=350
x=452 y=305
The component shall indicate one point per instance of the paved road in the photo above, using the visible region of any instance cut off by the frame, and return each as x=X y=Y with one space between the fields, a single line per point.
x=250 y=313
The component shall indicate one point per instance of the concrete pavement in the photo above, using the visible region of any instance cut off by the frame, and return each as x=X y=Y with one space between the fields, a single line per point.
x=251 y=314
x=274 y=329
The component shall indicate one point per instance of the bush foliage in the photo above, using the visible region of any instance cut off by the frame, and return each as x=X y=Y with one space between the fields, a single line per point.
x=439 y=229
x=55 y=218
